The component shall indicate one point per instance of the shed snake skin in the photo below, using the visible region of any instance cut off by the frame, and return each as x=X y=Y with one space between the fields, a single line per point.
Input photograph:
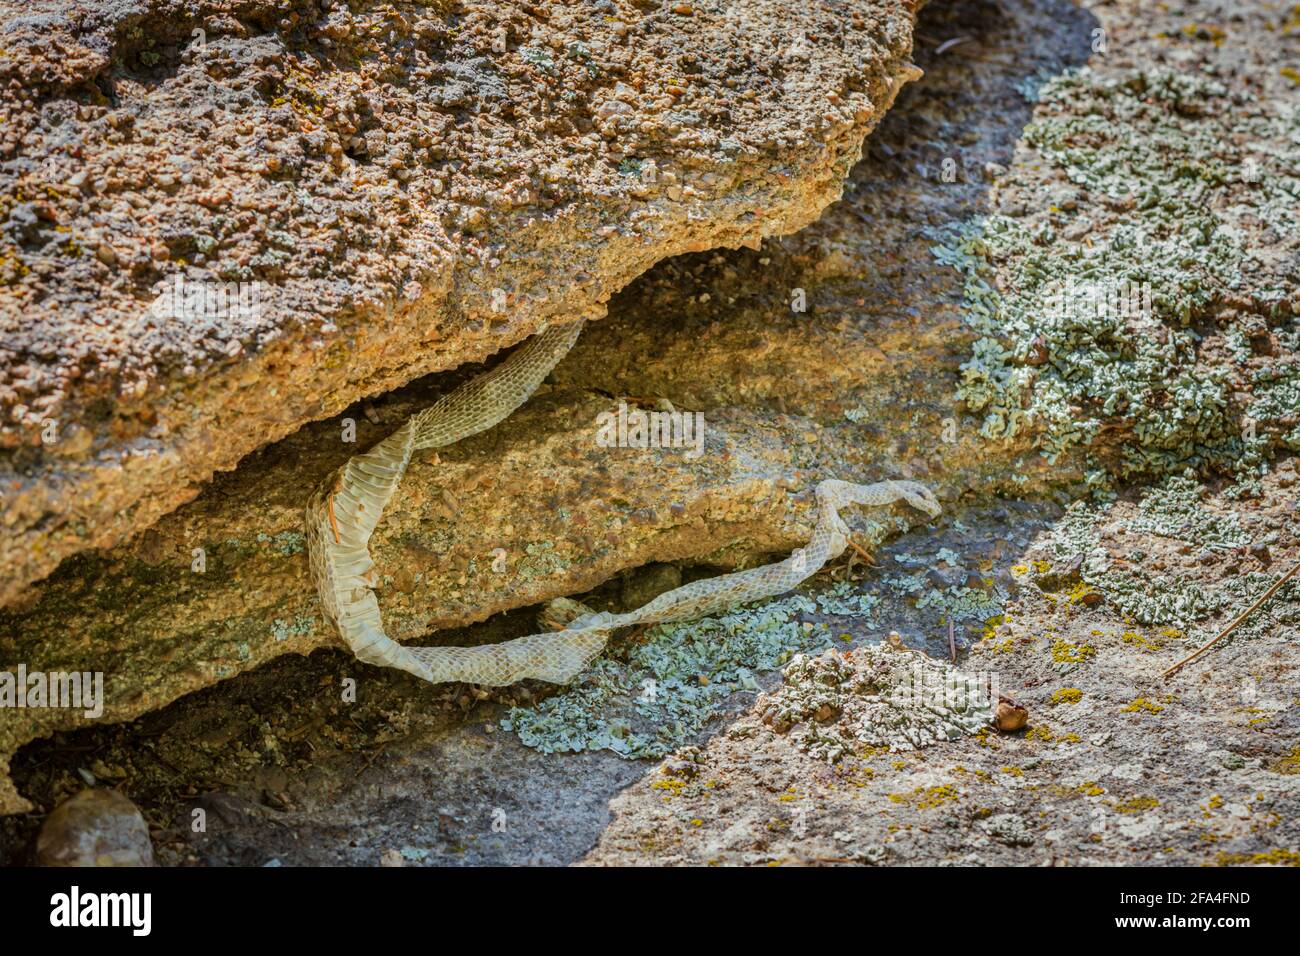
x=345 y=509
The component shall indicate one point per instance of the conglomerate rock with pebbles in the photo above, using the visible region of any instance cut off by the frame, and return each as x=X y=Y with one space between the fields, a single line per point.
x=398 y=188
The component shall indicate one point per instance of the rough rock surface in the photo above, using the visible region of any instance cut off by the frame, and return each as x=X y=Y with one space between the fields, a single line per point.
x=845 y=388
x=400 y=188
x=1117 y=764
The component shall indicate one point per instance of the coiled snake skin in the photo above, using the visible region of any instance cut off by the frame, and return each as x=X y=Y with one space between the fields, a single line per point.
x=347 y=507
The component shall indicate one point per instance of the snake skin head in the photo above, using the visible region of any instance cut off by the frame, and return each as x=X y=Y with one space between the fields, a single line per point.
x=920 y=497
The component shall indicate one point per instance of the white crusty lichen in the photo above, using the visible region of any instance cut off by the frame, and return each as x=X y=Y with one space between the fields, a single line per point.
x=840 y=703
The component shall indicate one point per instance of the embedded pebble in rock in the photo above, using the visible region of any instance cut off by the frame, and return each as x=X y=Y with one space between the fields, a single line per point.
x=841 y=702
x=97 y=827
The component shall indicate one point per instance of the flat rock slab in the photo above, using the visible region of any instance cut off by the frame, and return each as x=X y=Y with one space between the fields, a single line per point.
x=222 y=220
x=1115 y=766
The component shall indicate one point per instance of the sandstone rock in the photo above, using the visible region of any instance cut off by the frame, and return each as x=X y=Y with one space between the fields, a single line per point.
x=397 y=189
x=97 y=827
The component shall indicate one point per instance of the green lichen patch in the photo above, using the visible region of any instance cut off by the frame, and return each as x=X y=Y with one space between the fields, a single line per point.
x=287 y=543
x=1141 y=596
x=300 y=626
x=1277 y=400
x=965 y=603
x=646 y=698
x=1175 y=602
x=1175 y=510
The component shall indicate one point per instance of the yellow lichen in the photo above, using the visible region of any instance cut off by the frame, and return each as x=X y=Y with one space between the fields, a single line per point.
x=1044 y=733
x=926 y=798
x=1063 y=652
x=1140 y=705
x=1078 y=592
x=1141 y=641
x=1066 y=695
x=1277 y=857
x=1288 y=763
x=1135 y=805
x=1205 y=31
x=672 y=786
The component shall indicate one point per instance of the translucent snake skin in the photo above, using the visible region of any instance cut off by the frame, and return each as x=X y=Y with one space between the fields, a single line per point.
x=347 y=507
